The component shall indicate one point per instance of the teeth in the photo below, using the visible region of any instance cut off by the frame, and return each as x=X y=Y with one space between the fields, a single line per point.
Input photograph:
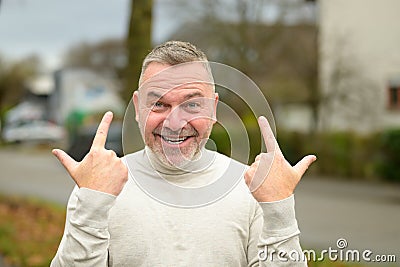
x=174 y=140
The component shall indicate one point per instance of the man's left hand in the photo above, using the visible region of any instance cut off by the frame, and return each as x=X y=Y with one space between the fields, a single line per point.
x=271 y=178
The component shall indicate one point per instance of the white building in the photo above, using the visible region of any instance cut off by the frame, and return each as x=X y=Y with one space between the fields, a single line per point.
x=84 y=91
x=360 y=64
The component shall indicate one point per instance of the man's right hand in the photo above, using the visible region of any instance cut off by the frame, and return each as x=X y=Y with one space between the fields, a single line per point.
x=100 y=169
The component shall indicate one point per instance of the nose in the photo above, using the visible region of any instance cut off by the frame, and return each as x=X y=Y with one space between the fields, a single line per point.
x=175 y=120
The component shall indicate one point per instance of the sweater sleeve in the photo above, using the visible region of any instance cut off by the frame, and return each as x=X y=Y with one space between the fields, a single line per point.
x=278 y=240
x=86 y=237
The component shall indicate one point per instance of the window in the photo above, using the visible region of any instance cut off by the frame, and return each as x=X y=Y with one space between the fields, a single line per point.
x=394 y=97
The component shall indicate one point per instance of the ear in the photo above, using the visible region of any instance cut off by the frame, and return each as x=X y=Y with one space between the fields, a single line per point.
x=215 y=108
x=136 y=104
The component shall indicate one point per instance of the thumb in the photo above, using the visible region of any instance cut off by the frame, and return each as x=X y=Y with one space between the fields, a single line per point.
x=303 y=164
x=68 y=162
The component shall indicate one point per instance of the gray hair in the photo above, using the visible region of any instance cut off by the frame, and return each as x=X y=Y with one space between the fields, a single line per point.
x=174 y=53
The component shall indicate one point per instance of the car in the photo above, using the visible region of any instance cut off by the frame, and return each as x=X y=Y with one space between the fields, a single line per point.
x=34 y=130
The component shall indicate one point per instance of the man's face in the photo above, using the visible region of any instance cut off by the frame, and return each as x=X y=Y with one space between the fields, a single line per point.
x=175 y=108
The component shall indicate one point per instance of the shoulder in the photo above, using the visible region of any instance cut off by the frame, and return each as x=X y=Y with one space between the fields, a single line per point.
x=135 y=157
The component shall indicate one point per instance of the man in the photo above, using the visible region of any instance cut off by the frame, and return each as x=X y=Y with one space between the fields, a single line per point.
x=111 y=221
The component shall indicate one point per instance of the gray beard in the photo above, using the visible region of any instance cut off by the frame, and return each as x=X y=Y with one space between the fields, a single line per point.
x=174 y=158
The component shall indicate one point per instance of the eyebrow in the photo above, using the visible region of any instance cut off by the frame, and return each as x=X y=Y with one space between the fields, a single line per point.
x=154 y=95
x=188 y=96
x=195 y=94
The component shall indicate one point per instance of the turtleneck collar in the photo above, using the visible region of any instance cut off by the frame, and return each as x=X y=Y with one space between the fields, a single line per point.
x=205 y=159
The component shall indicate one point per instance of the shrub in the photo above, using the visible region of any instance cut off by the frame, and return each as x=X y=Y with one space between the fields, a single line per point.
x=343 y=154
x=389 y=161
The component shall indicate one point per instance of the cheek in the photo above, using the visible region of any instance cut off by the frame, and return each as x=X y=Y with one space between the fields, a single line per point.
x=202 y=126
x=150 y=121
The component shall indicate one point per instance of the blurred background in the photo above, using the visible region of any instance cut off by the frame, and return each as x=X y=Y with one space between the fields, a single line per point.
x=329 y=69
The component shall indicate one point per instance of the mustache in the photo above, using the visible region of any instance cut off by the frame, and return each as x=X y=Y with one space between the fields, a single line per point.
x=181 y=132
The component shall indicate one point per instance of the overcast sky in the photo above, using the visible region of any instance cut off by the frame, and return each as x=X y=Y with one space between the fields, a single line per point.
x=49 y=27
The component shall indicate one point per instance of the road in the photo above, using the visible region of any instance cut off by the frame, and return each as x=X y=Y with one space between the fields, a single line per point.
x=366 y=214
x=34 y=173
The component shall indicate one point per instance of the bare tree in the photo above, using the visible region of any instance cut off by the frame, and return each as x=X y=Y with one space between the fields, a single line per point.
x=273 y=42
x=13 y=79
x=107 y=57
x=349 y=97
x=138 y=43
x=120 y=59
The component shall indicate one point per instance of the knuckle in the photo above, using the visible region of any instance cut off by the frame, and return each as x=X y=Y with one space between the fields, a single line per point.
x=100 y=132
x=247 y=180
x=124 y=167
x=125 y=177
x=249 y=174
x=279 y=159
x=255 y=165
x=111 y=153
x=94 y=153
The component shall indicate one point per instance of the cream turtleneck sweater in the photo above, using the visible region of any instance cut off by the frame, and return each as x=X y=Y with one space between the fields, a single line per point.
x=137 y=229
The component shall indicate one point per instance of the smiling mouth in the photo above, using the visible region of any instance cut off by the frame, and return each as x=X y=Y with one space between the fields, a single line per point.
x=174 y=140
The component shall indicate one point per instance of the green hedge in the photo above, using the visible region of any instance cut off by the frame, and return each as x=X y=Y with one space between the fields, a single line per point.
x=389 y=163
x=347 y=154
x=339 y=154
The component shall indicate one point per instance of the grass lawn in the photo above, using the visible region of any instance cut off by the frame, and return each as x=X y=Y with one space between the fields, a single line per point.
x=30 y=231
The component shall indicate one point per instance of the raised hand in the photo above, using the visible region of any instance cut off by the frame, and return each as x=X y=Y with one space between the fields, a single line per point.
x=100 y=169
x=271 y=177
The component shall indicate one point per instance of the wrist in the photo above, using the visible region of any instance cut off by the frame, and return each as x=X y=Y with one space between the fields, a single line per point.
x=272 y=196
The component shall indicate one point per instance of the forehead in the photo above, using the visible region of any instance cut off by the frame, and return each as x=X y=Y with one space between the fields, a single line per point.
x=178 y=79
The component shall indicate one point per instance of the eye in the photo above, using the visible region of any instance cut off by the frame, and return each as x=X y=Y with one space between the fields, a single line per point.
x=158 y=106
x=192 y=107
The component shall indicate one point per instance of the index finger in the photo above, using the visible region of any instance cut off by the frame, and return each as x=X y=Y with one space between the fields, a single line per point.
x=268 y=136
x=102 y=131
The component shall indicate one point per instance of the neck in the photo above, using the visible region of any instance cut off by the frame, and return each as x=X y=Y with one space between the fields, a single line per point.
x=203 y=160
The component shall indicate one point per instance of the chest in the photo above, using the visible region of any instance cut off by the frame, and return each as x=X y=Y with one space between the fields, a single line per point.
x=144 y=232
